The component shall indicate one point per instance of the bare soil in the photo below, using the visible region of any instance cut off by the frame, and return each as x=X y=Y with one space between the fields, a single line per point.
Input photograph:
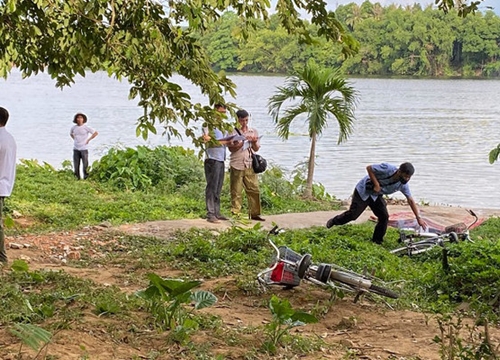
x=362 y=330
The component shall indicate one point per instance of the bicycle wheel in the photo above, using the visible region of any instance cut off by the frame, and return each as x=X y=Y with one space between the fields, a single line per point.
x=383 y=291
x=303 y=265
x=453 y=237
x=358 y=283
x=414 y=249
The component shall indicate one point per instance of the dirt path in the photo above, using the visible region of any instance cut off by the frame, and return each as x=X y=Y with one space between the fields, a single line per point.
x=442 y=215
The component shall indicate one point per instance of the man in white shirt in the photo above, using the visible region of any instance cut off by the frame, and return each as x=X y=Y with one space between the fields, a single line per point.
x=7 y=173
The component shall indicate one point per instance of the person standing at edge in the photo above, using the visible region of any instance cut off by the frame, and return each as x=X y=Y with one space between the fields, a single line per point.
x=80 y=134
x=241 y=171
x=382 y=179
x=214 y=171
x=8 y=150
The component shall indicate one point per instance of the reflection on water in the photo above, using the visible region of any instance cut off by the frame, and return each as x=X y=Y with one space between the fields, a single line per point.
x=444 y=127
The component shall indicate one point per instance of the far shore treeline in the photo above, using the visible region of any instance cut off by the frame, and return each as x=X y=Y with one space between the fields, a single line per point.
x=393 y=41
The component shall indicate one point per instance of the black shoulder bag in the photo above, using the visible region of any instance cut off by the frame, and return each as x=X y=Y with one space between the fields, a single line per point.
x=259 y=164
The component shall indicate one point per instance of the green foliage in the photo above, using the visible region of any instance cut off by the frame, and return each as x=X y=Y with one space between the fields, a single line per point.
x=232 y=252
x=166 y=300
x=284 y=318
x=21 y=268
x=494 y=153
x=107 y=306
x=33 y=296
x=279 y=192
x=167 y=168
x=393 y=40
x=57 y=200
x=474 y=276
x=453 y=346
x=462 y=6
x=145 y=43
x=31 y=335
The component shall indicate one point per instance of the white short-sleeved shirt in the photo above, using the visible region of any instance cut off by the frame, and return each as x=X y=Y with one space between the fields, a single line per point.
x=8 y=150
x=80 y=136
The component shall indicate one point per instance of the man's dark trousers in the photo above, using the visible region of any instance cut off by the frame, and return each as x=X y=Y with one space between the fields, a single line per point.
x=82 y=155
x=379 y=208
x=214 y=175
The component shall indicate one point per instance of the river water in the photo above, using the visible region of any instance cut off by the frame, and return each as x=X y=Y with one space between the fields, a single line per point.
x=446 y=128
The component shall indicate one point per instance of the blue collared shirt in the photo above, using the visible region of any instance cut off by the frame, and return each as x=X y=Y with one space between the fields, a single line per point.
x=383 y=173
x=216 y=152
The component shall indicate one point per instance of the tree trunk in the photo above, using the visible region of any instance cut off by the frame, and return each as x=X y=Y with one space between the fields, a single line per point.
x=310 y=168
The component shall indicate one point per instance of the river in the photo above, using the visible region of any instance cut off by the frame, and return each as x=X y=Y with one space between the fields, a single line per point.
x=446 y=128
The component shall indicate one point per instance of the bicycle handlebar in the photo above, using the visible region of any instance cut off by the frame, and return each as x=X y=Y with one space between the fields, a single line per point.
x=274 y=231
x=475 y=218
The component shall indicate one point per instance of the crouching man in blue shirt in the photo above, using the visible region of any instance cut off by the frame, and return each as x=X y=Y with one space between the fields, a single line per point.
x=382 y=179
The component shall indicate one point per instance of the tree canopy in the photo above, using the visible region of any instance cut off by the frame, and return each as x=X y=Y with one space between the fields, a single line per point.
x=393 y=41
x=145 y=42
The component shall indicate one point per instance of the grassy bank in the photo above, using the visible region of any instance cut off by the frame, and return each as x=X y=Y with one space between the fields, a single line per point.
x=138 y=185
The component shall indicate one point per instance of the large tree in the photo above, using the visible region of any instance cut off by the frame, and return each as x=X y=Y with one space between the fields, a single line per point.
x=144 y=42
x=319 y=94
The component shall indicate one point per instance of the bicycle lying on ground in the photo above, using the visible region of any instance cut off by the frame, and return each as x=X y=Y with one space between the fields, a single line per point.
x=419 y=242
x=288 y=268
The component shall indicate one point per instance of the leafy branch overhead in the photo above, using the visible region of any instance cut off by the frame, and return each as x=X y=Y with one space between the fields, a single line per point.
x=145 y=42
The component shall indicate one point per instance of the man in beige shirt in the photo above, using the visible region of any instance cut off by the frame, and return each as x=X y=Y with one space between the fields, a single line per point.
x=242 y=175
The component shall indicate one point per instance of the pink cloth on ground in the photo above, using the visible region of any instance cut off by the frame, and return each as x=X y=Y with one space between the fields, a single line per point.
x=406 y=219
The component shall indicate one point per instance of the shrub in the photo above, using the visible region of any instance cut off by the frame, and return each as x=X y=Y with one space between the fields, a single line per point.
x=165 y=167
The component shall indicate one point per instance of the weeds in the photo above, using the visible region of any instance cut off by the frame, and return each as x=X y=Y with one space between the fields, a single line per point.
x=453 y=346
x=284 y=318
x=166 y=300
x=33 y=336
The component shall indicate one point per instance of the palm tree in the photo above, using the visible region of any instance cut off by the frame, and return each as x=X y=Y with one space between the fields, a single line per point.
x=322 y=93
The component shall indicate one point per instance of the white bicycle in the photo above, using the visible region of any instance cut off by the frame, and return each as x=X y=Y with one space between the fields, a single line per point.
x=419 y=242
x=288 y=268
